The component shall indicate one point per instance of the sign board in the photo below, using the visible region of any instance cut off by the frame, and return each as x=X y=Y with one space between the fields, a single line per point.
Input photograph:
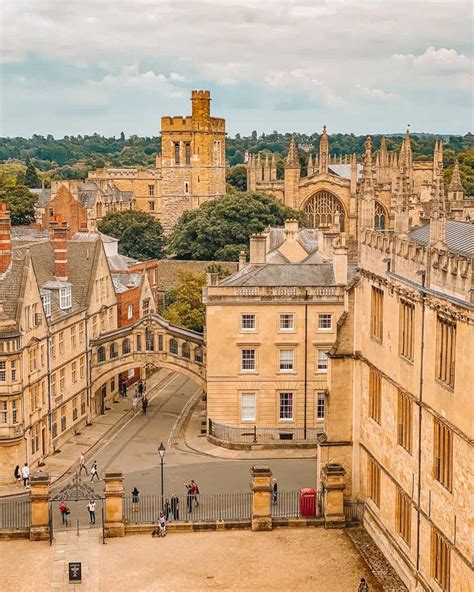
x=75 y=572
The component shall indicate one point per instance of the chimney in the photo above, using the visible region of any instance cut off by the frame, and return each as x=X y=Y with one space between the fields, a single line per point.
x=258 y=249
x=59 y=231
x=242 y=260
x=339 y=260
x=291 y=228
x=5 y=238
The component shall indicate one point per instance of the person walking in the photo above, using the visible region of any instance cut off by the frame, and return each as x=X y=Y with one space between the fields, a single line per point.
x=17 y=474
x=91 y=510
x=144 y=404
x=25 y=475
x=274 y=491
x=65 y=511
x=94 y=471
x=189 y=497
x=195 y=491
x=175 y=506
x=82 y=464
x=167 y=510
x=140 y=388
x=134 y=405
x=135 y=499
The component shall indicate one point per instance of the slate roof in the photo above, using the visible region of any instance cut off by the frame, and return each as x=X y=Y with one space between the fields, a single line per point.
x=89 y=193
x=344 y=170
x=283 y=274
x=43 y=195
x=126 y=281
x=459 y=237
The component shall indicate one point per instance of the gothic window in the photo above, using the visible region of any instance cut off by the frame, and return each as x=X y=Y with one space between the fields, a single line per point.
x=321 y=209
x=176 y=153
x=379 y=217
x=187 y=150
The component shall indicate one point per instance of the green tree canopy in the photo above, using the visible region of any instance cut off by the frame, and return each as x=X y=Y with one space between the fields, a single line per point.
x=219 y=229
x=140 y=235
x=187 y=309
x=31 y=176
x=237 y=177
x=21 y=204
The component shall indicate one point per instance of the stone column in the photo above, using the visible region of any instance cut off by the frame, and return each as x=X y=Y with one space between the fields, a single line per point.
x=114 y=522
x=261 y=498
x=39 y=496
x=333 y=484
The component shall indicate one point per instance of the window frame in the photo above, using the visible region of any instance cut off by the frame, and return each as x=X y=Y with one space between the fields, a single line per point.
x=325 y=369
x=282 y=363
x=65 y=298
x=252 y=370
x=288 y=405
x=290 y=329
x=325 y=329
x=242 y=406
x=321 y=397
x=244 y=329
x=406 y=330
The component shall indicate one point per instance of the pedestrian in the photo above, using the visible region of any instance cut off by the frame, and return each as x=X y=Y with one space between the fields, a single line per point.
x=167 y=509
x=189 y=497
x=25 y=475
x=91 y=510
x=144 y=404
x=140 y=388
x=65 y=511
x=162 y=525
x=17 y=474
x=195 y=491
x=123 y=387
x=135 y=499
x=175 y=506
x=363 y=586
x=94 y=471
x=274 y=491
x=134 y=405
x=82 y=464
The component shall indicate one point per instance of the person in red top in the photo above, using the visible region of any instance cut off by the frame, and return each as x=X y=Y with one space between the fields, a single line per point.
x=65 y=511
x=195 y=491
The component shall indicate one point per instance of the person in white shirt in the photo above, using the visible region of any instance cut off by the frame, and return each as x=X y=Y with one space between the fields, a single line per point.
x=91 y=510
x=25 y=473
x=82 y=464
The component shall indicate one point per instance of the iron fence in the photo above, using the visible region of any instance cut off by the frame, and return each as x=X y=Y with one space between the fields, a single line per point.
x=184 y=508
x=354 y=511
x=290 y=504
x=254 y=435
x=15 y=514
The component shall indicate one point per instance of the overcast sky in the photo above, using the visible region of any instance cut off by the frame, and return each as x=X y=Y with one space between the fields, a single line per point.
x=364 y=66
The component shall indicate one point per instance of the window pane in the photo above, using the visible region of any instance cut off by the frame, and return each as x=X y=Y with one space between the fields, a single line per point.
x=286 y=322
x=247 y=321
x=248 y=406
x=248 y=359
x=325 y=321
x=286 y=405
x=286 y=359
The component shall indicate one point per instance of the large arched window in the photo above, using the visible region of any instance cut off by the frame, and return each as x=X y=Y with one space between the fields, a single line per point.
x=173 y=347
x=379 y=216
x=101 y=354
x=321 y=210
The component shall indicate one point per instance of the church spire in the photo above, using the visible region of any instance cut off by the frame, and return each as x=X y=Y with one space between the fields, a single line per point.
x=292 y=160
x=367 y=203
x=310 y=166
x=455 y=189
x=324 y=152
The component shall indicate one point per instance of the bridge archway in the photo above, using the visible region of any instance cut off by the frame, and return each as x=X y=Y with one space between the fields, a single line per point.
x=322 y=209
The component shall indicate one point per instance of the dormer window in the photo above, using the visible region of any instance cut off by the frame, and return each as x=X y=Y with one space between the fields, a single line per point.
x=46 y=300
x=65 y=298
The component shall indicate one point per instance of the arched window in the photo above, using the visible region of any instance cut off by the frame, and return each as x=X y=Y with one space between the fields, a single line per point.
x=186 y=351
x=126 y=346
x=113 y=350
x=321 y=209
x=186 y=187
x=379 y=216
x=173 y=347
x=198 y=355
x=176 y=153
x=187 y=150
x=101 y=354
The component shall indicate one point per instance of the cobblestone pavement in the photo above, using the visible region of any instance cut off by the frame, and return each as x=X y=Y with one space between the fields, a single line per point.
x=300 y=560
x=375 y=559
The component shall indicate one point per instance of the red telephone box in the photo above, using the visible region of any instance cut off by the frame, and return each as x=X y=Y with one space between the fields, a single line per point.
x=308 y=502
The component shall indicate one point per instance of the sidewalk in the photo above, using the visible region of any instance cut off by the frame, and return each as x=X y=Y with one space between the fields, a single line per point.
x=65 y=462
x=190 y=437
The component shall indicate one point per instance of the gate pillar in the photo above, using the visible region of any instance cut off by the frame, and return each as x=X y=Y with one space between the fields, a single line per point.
x=333 y=486
x=114 y=525
x=39 y=496
x=261 y=498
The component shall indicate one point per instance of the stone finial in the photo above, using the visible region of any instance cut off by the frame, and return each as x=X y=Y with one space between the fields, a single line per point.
x=324 y=152
x=456 y=183
x=292 y=160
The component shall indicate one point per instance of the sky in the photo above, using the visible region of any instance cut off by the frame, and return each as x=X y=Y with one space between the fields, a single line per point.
x=73 y=67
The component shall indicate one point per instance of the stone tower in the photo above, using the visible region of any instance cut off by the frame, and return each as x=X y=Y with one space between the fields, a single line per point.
x=192 y=160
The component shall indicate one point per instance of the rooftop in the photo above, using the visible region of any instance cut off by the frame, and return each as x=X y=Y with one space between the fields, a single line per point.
x=459 y=237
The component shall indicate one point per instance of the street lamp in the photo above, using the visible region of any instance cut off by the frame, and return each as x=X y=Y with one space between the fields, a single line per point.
x=162 y=451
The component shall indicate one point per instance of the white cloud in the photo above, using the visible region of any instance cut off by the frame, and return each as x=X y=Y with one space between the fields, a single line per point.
x=131 y=77
x=375 y=93
x=436 y=61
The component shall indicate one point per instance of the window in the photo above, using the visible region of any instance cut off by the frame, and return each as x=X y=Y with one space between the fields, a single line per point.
x=3 y=371
x=82 y=366
x=61 y=342
x=407 y=325
x=248 y=360
x=46 y=300
x=176 y=153
x=151 y=190
x=146 y=306
x=52 y=347
x=139 y=342
x=13 y=369
x=403 y=515
x=42 y=359
x=83 y=404
x=131 y=373
x=404 y=421
x=74 y=371
x=73 y=337
x=445 y=351
x=187 y=152
x=63 y=419
x=373 y=476
x=94 y=326
x=321 y=405
x=287 y=322
x=101 y=354
x=126 y=346
x=35 y=439
x=186 y=351
x=151 y=206
x=160 y=342
x=286 y=406
x=14 y=412
x=248 y=406
x=65 y=298
x=325 y=322
x=113 y=350
x=322 y=360
x=130 y=311
x=376 y=316
x=173 y=347
x=4 y=412
x=186 y=187
x=247 y=322
x=62 y=380
x=375 y=395
x=74 y=409
x=440 y=559
x=198 y=357
x=443 y=454
x=287 y=362
x=81 y=333
x=53 y=384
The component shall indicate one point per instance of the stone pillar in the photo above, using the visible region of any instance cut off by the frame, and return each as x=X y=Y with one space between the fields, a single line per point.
x=114 y=522
x=39 y=496
x=333 y=484
x=261 y=498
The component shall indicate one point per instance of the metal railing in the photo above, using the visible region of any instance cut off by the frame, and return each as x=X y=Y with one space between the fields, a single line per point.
x=184 y=508
x=15 y=514
x=354 y=511
x=253 y=435
x=290 y=504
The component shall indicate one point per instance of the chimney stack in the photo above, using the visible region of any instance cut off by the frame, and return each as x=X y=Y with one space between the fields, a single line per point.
x=59 y=230
x=339 y=260
x=258 y=249
x=5 y=238
x=242 y=260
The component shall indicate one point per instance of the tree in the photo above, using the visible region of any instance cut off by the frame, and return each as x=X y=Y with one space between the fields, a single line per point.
x=221 y=228
x=187 y=309
x=237 y=177
x=140 y=235
x=21 y=204
x=31 y=176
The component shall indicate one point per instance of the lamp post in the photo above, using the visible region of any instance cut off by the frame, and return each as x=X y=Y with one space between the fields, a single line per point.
x=162 y=451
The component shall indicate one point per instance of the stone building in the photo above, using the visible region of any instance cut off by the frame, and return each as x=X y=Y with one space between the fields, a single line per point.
x=189 y=171
x=269 y=328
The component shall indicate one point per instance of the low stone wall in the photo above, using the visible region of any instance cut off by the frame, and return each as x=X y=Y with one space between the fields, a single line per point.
x=147 y=528
x=250 y=446
x=14 y=533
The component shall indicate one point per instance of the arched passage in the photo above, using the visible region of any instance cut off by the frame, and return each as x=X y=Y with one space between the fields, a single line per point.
x=322 y=208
